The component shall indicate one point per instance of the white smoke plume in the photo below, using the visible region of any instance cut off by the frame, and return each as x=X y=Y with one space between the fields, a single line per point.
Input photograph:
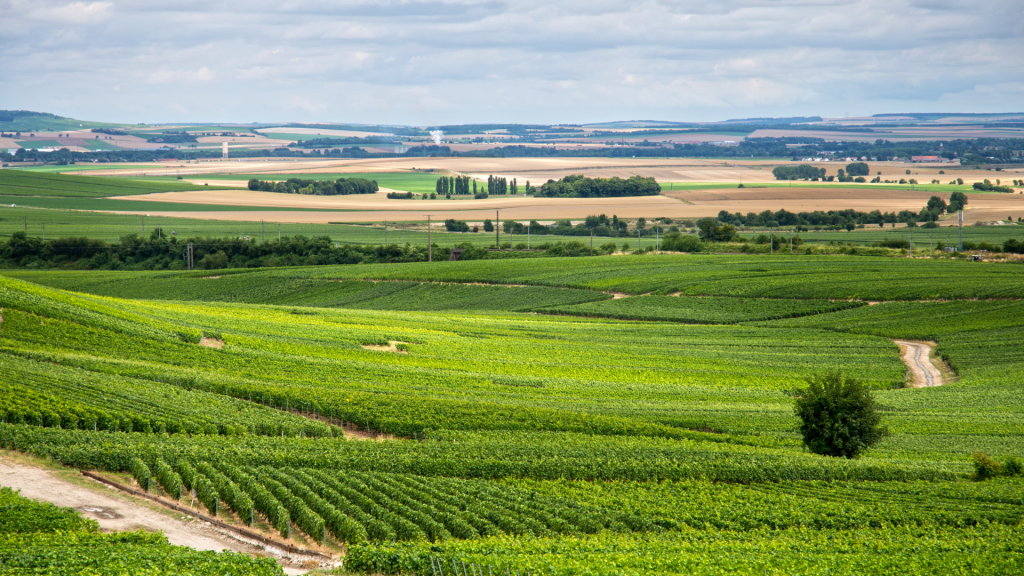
x=437 y=135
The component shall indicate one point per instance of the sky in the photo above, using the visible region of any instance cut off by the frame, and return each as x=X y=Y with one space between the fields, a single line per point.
x=545 y=61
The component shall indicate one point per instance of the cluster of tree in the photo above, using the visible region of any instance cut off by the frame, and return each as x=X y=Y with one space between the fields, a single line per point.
x=854 y=172
x=848 y=219
x=110 y=131
x=455 y=185
x=157 y=252
x=987 y=186
x=801 y=172
x=332 y=142
x=339 y=187
x=497 y=186
x=602 y=226
x=173 y=138
x=400 y=195
x=579 y=186
x=453 y=225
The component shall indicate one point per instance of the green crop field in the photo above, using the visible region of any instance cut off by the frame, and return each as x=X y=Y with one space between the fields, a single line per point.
x=922 y=237
x=26 y=183
x=525 y=419
x=72 y=222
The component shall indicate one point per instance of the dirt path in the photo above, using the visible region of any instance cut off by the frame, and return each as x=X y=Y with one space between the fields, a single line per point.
x=115 y=512
x=917 y=357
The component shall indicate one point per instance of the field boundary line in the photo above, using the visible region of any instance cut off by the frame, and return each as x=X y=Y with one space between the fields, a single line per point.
x=218 y=523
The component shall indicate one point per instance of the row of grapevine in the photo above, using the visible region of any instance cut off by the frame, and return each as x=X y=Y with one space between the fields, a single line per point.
x=911 y=550
x=40 y=538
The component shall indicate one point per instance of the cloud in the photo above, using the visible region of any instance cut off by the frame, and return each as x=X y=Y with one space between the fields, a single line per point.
x=75 y=13
x=163 y=76
x=410 y=61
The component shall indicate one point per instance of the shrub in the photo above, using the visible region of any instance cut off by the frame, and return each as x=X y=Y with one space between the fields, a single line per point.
x=985 y=467
x=838 y=417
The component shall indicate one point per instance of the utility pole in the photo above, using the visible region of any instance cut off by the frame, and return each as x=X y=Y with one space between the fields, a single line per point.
x=771 y=238
x=44 y=231
x=385 y=232
x=263 y=232
x=143 y=220
x=790 y=240
x=657 y=239
x=26 y=224
x=497 y=231
x=960 y=217
x=591 y=241
x=430 y=248
x=278 y=232
x=403 y=233
x=527 y=236
x=911 y=252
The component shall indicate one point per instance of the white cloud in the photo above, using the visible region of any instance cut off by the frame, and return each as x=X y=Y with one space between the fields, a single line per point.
x=411 y=61
x=74 y=13
x=165 y=75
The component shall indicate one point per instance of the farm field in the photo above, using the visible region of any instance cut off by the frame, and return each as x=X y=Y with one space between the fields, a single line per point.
x=19 y=183
x=509 y=425
x=635 y=410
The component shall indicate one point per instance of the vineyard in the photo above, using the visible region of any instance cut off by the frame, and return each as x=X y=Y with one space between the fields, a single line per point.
x=40 y=538
x=513 y=415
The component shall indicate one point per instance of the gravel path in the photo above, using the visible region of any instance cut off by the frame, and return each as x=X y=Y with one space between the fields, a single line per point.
x=917 y=357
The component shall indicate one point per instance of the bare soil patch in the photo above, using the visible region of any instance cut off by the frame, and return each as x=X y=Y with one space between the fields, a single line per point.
x=391 y=347
x=211 y=343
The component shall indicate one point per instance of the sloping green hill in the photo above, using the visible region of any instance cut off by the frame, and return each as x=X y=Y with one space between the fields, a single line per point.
x=25 y=183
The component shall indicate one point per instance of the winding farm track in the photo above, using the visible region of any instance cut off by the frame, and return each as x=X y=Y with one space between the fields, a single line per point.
x=917 y=357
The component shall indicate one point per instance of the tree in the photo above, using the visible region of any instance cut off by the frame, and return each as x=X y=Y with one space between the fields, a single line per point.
x=936 y=204
x=488 y=226
x=838 y=417
x=957 y=201
x=857 y=169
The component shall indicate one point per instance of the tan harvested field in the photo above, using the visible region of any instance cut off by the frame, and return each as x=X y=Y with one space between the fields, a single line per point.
x=673 y=204
x=541 y=169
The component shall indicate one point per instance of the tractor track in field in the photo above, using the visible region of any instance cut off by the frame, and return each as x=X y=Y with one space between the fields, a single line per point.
x=917 y=357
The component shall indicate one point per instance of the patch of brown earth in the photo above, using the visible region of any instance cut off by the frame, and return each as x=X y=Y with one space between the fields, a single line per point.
x=211 y=343
x=391 y=347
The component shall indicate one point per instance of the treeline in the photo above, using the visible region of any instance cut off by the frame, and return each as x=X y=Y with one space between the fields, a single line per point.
x=579 y=186
x=979 y=151
x=65 y=156
x=455 y=186
x=334 y=142
x=173 y=138
x=157 y=252
x=339 y=187
x=845 y=219
x=602 y=226
x=855 y=172
x=500 y=186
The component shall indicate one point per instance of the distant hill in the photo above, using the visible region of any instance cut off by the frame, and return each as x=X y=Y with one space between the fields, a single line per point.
x=27 y=121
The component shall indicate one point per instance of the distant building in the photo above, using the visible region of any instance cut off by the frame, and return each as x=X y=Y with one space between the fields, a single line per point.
x=929 y=159
x=224 y=149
